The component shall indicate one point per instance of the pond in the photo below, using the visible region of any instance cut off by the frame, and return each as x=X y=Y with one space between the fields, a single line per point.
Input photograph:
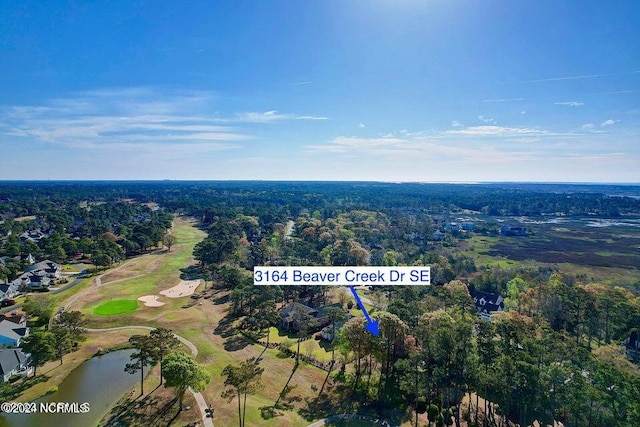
x=100 y=382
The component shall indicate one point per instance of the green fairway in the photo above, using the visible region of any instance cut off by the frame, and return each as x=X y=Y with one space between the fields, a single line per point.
x=116 y=307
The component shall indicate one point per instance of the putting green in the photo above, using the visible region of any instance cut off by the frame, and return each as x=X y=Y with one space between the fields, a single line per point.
x=118 y=306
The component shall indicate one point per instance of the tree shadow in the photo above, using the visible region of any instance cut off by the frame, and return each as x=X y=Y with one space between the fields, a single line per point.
x=286 y=389
x=236 y=342
x=225 y=327
x=222 y=300
x=191 y=272
x=10 y=391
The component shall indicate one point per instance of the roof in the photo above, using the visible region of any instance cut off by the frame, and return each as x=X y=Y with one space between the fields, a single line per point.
x=488 y=302
x=43 y=265
x=15 y=316
x=12 y=330
x=287 y=312
x=10 y=358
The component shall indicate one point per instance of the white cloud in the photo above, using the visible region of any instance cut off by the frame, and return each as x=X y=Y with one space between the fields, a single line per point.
x=495 y=131
x=587 y=126
x=487 y=120
x=272 y=116
x=361 y=126
x=456 y=124
x=503 y=100
x=608 y=122
x=523 y=112
x=570 y=103
x=134 y=118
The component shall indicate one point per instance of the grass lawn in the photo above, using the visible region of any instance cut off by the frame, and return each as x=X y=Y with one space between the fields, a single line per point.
x=146 y=275
x=212 y=332
x=319 y=349
x=55 y=373
x=116 y=307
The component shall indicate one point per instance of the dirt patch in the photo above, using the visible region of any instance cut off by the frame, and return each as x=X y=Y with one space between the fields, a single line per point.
x=151 y=301
x=182 y=289
x=115 y=275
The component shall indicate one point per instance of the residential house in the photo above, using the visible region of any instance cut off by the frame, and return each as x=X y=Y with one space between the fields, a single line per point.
x=19 y=317
x=12 y=333
x=8 y=291
x=453 y=227
x=289 y=317
x=487 y=304
x=508 y=230
x=467 y=225
x=327 y=331
x=437 y=235
x=38 y=276
x=33 y=281
x=33 y=236
x=632 y=346
x=14 y=362
x=28 y=258
x=51 y=269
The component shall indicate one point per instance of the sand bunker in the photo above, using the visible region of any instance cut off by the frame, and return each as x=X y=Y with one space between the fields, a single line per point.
x=151 y=301
x=182 y=289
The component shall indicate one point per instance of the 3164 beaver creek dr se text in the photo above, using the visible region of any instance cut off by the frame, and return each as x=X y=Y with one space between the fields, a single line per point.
x=337 y=276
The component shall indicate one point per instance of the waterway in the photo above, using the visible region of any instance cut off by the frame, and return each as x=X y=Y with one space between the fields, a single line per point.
x=100 y=382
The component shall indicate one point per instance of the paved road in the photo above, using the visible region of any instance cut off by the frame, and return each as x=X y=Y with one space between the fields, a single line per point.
x=202 y=404
x=346 y=290
x=81 y=275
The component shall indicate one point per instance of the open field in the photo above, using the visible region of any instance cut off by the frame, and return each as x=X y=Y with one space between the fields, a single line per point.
x=210 y=329
x=608 y=252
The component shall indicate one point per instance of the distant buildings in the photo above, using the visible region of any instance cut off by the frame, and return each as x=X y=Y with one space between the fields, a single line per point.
x=508 y=230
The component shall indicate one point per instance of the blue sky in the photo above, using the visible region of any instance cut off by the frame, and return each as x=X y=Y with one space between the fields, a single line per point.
x=389 y=90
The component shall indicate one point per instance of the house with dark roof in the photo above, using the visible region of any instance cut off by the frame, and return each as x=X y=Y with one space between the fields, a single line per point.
x=487 y=304
x=8 y=291
x=508 y=230
x=52 y=270
x=14 y=362
x=19 y=317
x=632 y=346
x=38 y=276
x=290 y=315
x=33 y=236
x=12 y=333
x=33 y=281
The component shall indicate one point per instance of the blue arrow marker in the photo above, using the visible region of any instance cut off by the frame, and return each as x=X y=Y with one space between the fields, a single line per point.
x=371 y=325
